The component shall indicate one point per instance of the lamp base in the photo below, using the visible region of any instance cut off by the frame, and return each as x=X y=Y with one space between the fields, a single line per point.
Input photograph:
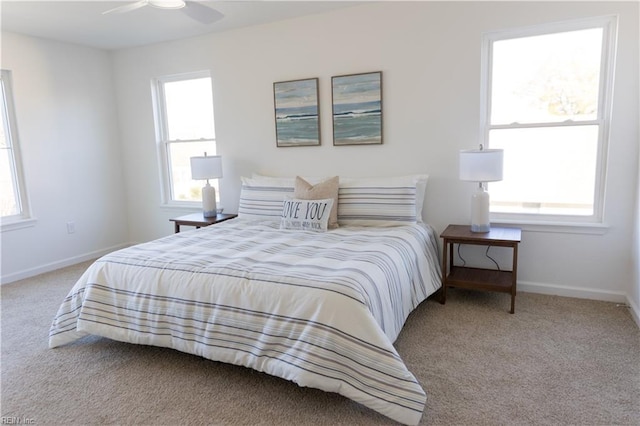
x=480 y=228
x=209 y=207
x=480 y=211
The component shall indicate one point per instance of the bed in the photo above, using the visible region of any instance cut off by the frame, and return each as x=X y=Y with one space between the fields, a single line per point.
x=321 y=309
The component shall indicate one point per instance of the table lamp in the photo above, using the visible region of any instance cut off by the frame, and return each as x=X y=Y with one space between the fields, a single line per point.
x=481 y=165
x=207 y=167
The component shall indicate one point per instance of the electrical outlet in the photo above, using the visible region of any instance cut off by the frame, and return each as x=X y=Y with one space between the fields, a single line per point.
x=71 y=227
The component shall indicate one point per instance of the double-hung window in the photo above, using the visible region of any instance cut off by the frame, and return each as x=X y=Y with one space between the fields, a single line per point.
x=14 y=208
x=547 y=102
x=184 y=128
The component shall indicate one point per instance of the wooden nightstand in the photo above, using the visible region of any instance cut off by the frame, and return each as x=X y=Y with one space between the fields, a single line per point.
x=198 y=220
x=478 y=278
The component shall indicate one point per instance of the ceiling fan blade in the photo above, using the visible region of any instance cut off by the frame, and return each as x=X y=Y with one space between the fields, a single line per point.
x=202 y=13
x=127 y=7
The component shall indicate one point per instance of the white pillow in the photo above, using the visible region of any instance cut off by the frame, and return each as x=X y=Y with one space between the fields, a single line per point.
x=260 y=199
x=388 y=201
x=306 y=215
x=286 y=180
x=273 y=180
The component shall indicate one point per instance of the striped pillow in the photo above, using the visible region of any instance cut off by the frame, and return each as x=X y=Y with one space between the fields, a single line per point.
x=262 y=200
x=381 y=201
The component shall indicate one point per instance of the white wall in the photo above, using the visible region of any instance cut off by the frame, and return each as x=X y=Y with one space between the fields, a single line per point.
x=72 y=160
x=429 y=54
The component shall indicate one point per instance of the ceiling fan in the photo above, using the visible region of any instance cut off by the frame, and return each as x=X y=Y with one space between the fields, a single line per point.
x=194 y=10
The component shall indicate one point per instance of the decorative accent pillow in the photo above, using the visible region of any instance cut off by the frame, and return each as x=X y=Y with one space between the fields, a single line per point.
x=260 y=199
x=306 y=215
x=323 y=190
x=381 y=201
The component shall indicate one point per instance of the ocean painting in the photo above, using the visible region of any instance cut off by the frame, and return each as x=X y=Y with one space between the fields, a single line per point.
x=357 y=109
x=296 y=108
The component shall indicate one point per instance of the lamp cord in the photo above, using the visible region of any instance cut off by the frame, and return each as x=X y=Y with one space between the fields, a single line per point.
x=486 y=253
x=464 y=262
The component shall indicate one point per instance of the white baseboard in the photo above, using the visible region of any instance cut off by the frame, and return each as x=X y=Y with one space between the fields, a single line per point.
x=583 y=293
x=579 y=292
x=32 y=272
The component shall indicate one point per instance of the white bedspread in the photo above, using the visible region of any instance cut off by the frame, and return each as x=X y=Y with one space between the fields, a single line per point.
x=319 y=309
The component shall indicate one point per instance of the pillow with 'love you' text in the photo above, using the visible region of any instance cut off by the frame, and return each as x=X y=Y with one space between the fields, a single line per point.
x=306 y=215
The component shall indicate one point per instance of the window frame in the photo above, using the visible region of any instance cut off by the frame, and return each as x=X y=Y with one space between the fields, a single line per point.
x=24 y=216
x=163 y=142
x=588 y=223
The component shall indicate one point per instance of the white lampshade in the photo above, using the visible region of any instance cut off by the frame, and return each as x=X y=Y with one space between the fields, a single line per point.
x=207 y=167
x=481 y=165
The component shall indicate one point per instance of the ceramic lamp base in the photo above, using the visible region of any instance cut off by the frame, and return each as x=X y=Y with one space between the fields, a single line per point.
x=480 y=211
x=209 y=207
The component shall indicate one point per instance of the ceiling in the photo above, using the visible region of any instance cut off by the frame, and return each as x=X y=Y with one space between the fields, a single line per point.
x=83 y=22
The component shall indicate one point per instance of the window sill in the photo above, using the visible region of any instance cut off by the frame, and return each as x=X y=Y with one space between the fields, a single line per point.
x=556 y=227
x=193 y=208
x=169 y=207
x=18 y=224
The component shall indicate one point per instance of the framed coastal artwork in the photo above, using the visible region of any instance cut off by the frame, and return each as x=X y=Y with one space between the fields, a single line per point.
x=357 y=109
x=297 y=112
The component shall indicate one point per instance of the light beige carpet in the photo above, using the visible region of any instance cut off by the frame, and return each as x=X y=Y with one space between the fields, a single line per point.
x=557 y=361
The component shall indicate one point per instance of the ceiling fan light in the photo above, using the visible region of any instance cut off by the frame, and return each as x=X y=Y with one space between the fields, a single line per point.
x=167 y=4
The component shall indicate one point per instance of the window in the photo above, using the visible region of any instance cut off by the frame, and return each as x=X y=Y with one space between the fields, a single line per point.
x=13 y=199
x=184 y=129
x=546 y=96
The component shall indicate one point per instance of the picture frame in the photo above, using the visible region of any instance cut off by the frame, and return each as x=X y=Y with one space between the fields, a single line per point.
x=297 y=112
x=357 y=109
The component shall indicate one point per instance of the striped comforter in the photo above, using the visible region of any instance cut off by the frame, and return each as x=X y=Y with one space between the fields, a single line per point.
x=319 y=309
